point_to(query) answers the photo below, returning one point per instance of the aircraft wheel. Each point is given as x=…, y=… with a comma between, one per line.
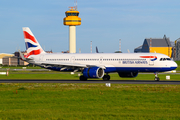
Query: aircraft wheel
x=82, y=78
x=156, y=79
x=106, y=77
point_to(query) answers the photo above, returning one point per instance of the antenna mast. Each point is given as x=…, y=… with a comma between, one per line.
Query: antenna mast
x=91, y=46
x=75, y=4
x=119, y=45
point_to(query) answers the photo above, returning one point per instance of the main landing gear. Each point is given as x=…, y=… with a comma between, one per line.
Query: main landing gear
x=106, y=77
x=156, y=76
x=82, y=78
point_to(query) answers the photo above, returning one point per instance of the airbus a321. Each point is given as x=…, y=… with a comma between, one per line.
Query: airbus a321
x=96, y=65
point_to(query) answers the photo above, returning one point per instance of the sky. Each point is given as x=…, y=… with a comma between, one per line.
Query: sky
x=103, y=22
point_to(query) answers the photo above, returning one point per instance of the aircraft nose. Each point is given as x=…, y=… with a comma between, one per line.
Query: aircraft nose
x=174, y=65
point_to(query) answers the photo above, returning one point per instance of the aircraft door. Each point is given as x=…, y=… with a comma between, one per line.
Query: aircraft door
x=41, y=58
x=101, y=60
x=72, y=59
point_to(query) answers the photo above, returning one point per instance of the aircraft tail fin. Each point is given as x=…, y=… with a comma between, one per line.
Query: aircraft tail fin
x=32, y=45
x=97, y=50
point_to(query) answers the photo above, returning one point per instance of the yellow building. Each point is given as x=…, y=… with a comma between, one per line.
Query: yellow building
x=156, y=45
x=164, y=50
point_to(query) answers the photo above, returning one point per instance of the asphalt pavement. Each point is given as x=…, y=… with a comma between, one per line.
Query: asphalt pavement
x=92, y=81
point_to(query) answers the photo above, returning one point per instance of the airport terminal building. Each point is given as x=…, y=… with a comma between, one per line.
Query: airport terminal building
x=2, y=55
x=13, y=60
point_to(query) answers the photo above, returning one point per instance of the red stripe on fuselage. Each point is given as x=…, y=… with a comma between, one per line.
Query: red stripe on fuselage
x=148, y=56
x=28, y=36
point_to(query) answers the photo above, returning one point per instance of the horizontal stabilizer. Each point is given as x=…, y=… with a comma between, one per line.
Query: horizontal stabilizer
x=22, y=56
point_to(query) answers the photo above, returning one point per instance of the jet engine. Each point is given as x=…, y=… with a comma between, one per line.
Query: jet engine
x=93, y=72
x=128, y=74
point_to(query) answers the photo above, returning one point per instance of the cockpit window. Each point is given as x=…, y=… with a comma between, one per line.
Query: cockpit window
x=165, y=59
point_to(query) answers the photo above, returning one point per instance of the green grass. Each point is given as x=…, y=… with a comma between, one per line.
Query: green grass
x=178, y=62
x=66, y=76
x=178, y=68
x=50, y=101
x=20, y=67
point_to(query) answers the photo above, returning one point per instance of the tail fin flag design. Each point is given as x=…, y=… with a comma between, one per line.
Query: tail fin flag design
x=32, y=45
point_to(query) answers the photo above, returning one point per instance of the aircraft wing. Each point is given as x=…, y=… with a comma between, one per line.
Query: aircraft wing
x=59, y=64
x=70, y=65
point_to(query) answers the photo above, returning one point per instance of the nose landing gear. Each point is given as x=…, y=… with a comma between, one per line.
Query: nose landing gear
x=156, y=76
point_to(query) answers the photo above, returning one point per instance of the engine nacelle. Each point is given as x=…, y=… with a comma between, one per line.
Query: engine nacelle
x=93, y=72
x=128, y=74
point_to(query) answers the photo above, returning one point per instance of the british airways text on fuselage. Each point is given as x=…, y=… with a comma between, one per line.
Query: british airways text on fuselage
x=134, y=62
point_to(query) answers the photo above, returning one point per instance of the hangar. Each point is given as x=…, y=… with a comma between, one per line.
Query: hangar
x=156, y=45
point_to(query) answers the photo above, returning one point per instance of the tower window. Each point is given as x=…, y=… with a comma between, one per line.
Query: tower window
x=72, y=14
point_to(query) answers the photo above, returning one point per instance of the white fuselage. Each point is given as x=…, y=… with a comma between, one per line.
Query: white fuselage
x=112, y=62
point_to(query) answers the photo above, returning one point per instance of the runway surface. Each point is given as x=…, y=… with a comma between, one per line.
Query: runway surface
x=92, y=81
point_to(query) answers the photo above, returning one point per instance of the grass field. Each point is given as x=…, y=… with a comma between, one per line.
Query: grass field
x=66, y=76
x=178, y=62
x=20, y=67
x=50, y=101
x=178, y=68
x=59, y=101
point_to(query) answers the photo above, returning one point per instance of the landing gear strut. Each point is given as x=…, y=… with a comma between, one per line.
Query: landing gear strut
x=156, y=76
x=106, y=77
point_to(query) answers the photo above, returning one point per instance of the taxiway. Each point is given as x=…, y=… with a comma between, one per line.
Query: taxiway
x=92, y=81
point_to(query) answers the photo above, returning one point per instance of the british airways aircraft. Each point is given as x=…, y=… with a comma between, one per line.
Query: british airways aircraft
x=96, y=65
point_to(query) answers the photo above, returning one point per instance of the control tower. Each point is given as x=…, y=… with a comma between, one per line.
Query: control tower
x=72, y=20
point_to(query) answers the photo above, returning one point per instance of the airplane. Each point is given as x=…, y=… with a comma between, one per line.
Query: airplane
x=96, y=65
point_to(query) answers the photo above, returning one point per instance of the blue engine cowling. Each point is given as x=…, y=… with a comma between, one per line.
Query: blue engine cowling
x=128, y=74
x=93, y=72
